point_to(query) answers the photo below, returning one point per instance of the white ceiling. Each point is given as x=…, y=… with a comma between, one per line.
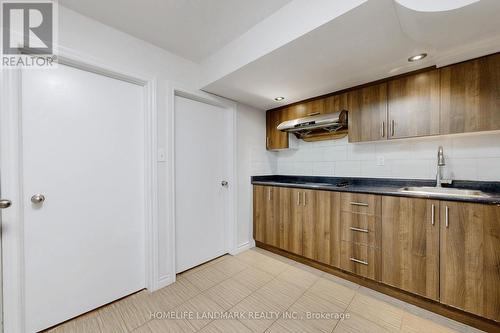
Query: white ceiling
x=252, y=51
x=367, y=43
x=193, y=29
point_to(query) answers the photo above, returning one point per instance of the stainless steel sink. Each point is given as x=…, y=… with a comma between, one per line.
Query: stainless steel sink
x=457, y=192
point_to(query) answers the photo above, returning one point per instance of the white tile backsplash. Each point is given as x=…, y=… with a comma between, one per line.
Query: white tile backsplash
x=323, y=168
x=468, y=157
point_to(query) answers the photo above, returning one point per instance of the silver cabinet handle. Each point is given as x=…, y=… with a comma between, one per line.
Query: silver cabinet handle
x=269, y=194
x=304, y=203
x=447, y=216
x=393, y=127
x=298, y=198
x=38, y=198
x=359, y=261
x=382, y=129
x=433, y=214
x=359, y=204
x=4, y=203
x=358, y=229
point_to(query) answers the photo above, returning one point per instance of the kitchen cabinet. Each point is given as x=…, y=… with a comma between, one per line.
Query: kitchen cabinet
x=470, y=96
x=291, y=218
x=445, y=251
x=459, y=98
x=321, y=228
x=360, y=259
x=413, y=105
x=470, y=257
x=368, y=113
x=336, y=103
x=315, y=107
x=360, y=234
x=266, y=222
x=275, y=139
x=410, y=245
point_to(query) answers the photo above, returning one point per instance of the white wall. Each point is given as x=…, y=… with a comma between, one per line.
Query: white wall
x=468, y=157
x=252, y=159
x=103, y=44
x=107, y=45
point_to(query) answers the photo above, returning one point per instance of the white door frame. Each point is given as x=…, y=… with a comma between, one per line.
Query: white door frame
x=231, y=213
x=12, y=185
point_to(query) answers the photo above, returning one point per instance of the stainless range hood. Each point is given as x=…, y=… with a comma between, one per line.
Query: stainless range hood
x=327, y=122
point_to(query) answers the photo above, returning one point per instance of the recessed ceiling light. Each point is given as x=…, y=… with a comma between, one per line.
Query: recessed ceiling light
x=417, y=57
x=278, y=99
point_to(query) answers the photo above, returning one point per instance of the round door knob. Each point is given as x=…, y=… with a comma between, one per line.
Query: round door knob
x=4, y=203
x=38, y=198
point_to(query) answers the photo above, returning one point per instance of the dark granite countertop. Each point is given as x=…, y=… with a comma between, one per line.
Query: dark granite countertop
x=382, y=186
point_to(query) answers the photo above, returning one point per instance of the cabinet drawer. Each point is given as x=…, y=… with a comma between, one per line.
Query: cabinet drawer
x=361, y=228
x=360, y=259
x=361, y=203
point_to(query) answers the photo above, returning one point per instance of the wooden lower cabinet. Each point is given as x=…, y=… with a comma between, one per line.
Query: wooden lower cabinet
x=360, y=259
x=361, y=228
x=321, y=229
x=445, y=251
x=290, y=214
x=266, y=222
x=410, y=245
x=470, y=257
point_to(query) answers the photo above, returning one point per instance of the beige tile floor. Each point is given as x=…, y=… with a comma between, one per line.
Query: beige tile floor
x=258, y=291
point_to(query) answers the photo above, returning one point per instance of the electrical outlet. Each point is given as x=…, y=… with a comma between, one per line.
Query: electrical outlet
x=380, y=160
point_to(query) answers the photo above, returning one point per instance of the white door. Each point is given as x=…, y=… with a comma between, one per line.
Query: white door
x=83, y=150
x=202, y=160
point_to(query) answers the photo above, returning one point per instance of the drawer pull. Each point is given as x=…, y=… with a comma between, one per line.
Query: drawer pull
x=358, y=229
x=359, y=204
x=359, y=261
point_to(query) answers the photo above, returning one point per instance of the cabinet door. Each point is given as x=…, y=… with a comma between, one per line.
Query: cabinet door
x=368, y=113
x=291, y=219
x=410, y=245
x=259, y=213
x=275, y=139
x=320, y=236
x=266, y=223
x=413, y=105
x=272, y=229
x=470, y=96
x=336, y=103
x=315, y=107
x=470, y=258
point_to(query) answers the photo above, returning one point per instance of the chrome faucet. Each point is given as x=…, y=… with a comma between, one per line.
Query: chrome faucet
x=440, y=164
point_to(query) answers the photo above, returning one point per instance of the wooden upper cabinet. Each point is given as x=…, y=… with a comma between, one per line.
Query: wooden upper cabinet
x=470, y=258
x=275, y=139
x=315, y=107
x=297, y=111
x=336, y=103
x=413, y=105
x=470, y=96
x=368, y=113
x=410, y=245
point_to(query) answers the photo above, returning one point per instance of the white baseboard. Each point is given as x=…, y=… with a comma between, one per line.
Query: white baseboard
x=165, y=281
x=243, y=247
